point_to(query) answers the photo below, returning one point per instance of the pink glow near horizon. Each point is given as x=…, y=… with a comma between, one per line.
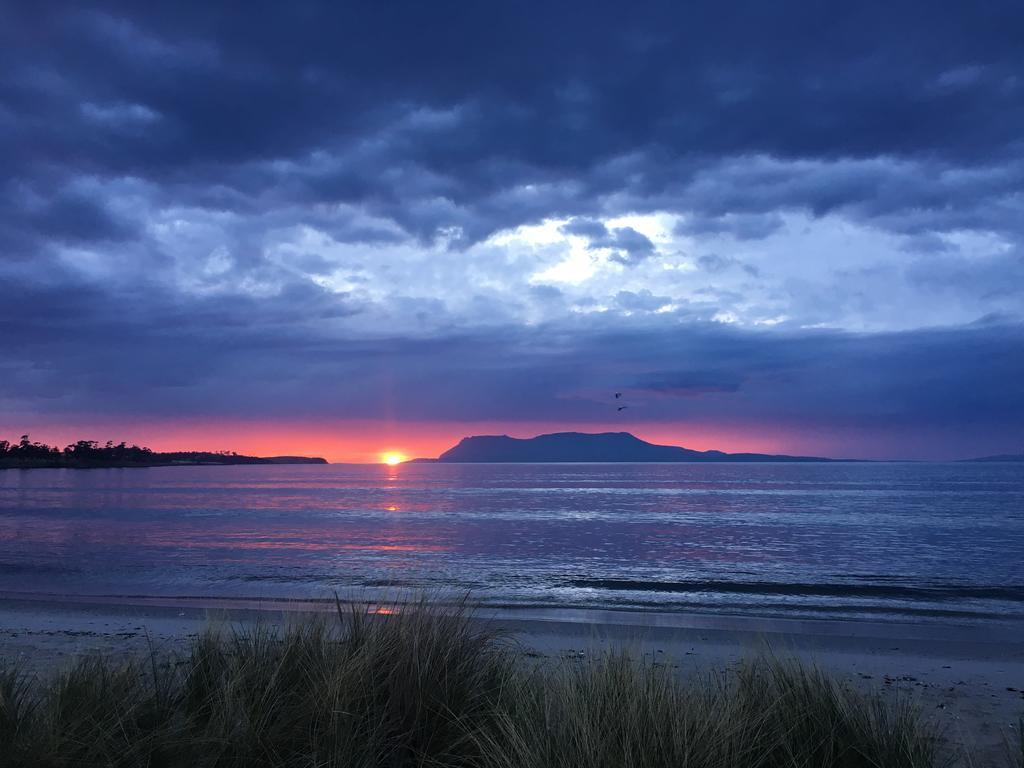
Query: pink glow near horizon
x=365, y=441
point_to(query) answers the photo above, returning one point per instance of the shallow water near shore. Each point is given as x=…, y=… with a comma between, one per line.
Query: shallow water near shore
x=913, y=542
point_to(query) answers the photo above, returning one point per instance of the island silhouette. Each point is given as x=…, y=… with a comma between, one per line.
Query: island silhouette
x=589, y=447
x=1001, y=458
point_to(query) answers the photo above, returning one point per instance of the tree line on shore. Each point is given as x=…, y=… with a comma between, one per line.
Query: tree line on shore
x=80, y=449
x=27, y=453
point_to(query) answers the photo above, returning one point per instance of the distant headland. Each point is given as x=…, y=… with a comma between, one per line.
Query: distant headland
x=1003, y=457
x=586, y=447
x=88, y=454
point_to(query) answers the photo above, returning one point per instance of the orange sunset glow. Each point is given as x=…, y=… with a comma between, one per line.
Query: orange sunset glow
x=392, y=442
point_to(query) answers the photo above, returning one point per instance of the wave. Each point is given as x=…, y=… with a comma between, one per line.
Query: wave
x=1011, y=593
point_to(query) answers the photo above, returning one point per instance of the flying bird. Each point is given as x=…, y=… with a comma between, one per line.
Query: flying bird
x=622, y=408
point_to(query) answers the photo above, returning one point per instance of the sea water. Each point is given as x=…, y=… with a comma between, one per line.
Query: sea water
x=917, y=542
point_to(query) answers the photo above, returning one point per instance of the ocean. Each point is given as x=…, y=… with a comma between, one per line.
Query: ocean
x=905, y=541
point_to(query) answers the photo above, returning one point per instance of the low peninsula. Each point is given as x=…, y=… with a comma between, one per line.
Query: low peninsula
x=606, y=447
x=89, y=454
x=1001, y=458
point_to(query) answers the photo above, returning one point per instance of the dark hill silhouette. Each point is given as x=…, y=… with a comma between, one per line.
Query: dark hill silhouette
x=587, y=447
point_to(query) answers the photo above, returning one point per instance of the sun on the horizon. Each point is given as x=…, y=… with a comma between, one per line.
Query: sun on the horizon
x=391, y=458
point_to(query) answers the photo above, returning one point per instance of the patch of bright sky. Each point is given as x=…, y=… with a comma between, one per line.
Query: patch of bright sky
x=828, y=271
x=810, y=272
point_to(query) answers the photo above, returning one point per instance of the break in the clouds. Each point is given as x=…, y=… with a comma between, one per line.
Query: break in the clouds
x=796, y=217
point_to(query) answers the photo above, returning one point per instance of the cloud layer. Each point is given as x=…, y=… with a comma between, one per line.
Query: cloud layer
x=794, y=218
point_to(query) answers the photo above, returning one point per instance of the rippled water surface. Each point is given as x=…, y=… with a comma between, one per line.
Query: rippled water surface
x=917, y=541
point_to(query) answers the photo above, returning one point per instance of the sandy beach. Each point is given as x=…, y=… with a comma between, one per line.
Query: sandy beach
x=968, y=680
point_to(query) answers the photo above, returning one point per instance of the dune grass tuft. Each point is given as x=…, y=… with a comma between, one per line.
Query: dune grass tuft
x=616, y=711
x=430, y=687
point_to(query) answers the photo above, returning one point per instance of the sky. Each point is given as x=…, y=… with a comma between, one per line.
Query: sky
x=348, y=228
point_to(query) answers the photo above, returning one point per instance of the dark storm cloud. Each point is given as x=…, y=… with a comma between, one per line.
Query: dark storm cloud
x=76, y=216
x=689, y=383
x=435, y=114
x=626, y=244
x=584, y=227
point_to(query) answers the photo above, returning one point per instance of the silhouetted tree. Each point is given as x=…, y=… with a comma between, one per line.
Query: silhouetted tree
x=90, y=453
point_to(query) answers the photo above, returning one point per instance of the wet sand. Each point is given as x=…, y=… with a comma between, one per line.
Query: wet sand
x=968, y=680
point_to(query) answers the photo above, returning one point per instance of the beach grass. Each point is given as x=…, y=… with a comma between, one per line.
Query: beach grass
x=768, y=712
x=431, y=687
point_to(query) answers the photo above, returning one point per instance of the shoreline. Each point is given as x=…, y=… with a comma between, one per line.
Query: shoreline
x=161, y=464
x=800, y=620
x=968, y=680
